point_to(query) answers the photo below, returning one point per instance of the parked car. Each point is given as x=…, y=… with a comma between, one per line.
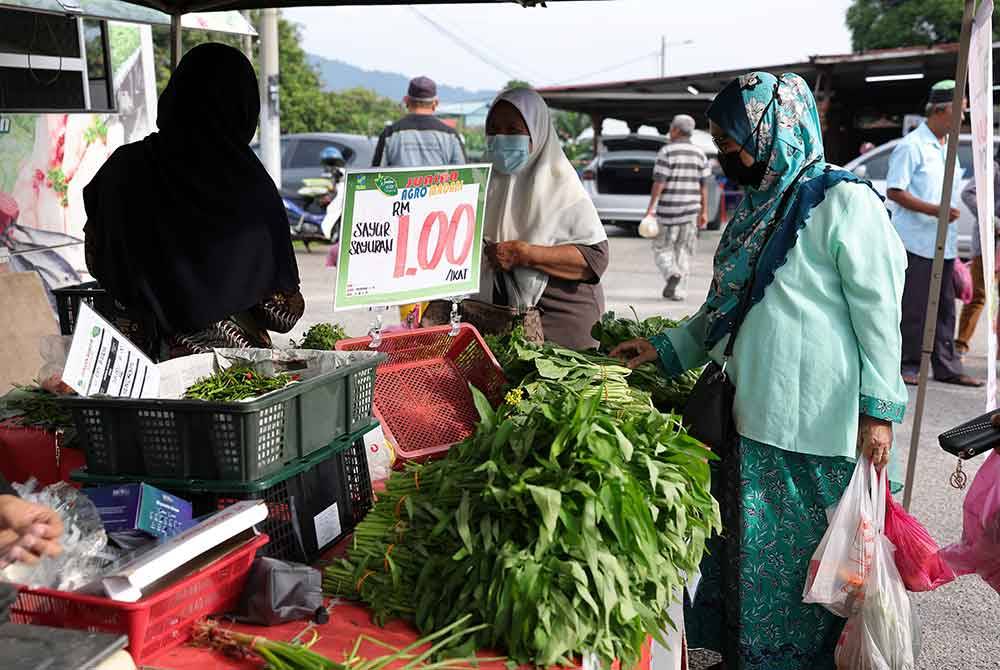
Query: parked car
x=300, y=160
x=874, y=166
x=620, y=179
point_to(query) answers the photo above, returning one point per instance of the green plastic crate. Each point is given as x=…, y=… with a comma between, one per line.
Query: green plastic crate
x=234, y=441
x=312, y=502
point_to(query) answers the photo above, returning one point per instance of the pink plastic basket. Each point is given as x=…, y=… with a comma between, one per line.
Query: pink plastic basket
x=153, y=624
x=422, y=394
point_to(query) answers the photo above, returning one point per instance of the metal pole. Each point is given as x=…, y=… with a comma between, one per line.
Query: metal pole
x=247, y=39
x=663, y=56
x=930, y=319
x=270, y=121
x=175, y=41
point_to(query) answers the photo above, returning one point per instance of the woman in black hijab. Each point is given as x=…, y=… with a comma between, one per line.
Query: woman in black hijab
x=186, y=228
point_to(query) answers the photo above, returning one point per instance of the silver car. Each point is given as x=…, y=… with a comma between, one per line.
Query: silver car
x=874, y=166
x=620, y=180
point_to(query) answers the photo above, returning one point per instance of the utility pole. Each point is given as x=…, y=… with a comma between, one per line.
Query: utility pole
x=664, y=52
x=270, y=116
x=663, y=56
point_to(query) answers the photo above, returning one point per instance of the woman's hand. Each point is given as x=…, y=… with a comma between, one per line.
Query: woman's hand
x=28, y=532
x=508, y=255
x=636, y=352
x=875, y=440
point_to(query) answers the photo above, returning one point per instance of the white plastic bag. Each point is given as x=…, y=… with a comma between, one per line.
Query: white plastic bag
x=649, y=228
x=843, y=559
x=880, y=635
x=380, y=454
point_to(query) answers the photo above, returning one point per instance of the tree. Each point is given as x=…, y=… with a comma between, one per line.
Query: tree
x=570, y=125
x=360, y=111
x=305, y=106
x=886, y=24
x=517, y=83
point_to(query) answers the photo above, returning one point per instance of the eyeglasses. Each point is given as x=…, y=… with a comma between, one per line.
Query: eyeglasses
x=722, y=142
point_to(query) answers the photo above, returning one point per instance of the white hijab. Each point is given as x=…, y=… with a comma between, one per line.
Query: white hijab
x=543, y=204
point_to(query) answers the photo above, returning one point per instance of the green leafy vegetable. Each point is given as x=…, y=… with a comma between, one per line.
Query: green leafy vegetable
x=565, y=523
x=322, y=336
x=34, y=406
x=237, y=382
x=668, y=394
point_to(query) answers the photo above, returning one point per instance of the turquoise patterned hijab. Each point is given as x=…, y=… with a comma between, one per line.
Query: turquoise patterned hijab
x=790, y=140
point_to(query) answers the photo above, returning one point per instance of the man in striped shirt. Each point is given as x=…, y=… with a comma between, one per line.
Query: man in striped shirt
x=680, y=203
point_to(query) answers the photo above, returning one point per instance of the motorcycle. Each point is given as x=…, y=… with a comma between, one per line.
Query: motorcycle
x=315, y=215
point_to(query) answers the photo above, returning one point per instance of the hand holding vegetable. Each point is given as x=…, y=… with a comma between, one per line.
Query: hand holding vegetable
x=28, y=532
x=875, y=440
x=635, y=352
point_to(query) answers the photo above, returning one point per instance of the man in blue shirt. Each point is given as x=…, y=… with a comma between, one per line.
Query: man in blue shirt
x=915, y=184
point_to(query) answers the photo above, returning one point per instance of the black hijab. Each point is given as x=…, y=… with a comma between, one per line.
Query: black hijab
x=187, y=224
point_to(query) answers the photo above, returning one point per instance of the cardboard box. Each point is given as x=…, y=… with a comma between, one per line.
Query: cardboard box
x=140, y=507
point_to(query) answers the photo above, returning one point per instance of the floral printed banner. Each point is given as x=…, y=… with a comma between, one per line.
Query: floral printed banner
x=49, y=158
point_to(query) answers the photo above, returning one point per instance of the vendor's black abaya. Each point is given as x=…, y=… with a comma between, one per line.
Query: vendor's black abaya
x=186, y=224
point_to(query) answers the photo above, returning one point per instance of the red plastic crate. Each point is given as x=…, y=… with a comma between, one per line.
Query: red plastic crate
x=152, y=624
x=422, y=394
x=26, y=451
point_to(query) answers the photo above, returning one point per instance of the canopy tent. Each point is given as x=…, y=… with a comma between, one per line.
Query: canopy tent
x=185, y=6
x=127, y=12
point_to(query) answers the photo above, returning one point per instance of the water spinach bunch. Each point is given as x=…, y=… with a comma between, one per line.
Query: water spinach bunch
x=566, y=524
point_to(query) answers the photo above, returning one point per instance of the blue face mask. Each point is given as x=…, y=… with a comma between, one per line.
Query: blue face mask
x=508, y=153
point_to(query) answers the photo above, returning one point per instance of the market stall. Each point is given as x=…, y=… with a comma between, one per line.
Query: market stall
x=177, y=481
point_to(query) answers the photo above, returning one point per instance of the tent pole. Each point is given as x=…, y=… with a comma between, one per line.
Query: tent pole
x=247, y=39
x=937, y=269
x=175, y=41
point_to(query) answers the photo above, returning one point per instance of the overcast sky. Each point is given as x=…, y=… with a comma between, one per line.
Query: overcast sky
x=574, y=42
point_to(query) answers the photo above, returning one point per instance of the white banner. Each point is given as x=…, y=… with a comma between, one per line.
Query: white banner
x=411, y=235
x=981, y=102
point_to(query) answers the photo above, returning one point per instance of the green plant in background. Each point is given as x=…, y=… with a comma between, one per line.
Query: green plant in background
x=322, y=336
x=124, y=41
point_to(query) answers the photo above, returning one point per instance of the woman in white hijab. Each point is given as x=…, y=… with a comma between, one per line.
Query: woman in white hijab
x=546, y=245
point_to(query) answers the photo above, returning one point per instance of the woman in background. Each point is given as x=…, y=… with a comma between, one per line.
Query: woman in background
x=546, y=244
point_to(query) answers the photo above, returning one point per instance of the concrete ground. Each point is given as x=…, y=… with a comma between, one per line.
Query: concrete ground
x=960, y=622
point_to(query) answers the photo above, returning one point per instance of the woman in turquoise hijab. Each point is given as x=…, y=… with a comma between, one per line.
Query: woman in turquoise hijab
x=815, y=365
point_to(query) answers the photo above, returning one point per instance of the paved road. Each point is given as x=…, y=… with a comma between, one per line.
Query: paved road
x=960, y=622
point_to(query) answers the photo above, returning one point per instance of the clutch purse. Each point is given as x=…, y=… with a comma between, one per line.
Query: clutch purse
x=972, y=438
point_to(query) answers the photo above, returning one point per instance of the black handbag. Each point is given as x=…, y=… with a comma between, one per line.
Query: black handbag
x=708, y=413
x=972, y=437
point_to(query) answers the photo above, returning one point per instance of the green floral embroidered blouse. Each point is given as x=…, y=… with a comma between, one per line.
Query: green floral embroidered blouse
x=823, y=345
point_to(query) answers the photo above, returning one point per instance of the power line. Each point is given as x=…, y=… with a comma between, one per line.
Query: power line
x=644, y=56
x=482, y=56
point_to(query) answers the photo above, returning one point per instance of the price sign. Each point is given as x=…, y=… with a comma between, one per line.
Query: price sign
x=410, y=235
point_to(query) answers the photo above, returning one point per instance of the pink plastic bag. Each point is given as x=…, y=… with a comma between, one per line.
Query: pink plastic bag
x=332, y=256
x=962, y=277
x=979, y=550
x=917, y=554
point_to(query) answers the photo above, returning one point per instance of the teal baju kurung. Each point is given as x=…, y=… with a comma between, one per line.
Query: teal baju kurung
x=819, y=347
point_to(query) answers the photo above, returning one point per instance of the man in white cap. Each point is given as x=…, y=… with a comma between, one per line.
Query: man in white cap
x=680, y=203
